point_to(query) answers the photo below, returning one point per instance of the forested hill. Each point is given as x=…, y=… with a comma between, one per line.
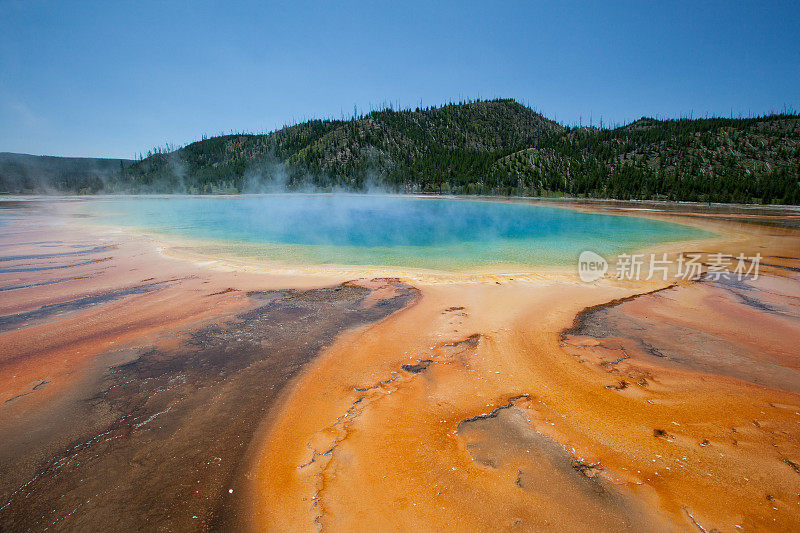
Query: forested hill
x=24, y=173
x=497, y=147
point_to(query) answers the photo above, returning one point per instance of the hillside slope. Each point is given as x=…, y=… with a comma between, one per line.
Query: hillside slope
x=401, y=150
x=725, y=160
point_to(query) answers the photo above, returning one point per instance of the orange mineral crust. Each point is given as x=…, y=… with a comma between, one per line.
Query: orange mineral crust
x=377, y=432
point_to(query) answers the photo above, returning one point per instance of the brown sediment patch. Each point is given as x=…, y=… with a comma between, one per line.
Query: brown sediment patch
x=28, y=257
x=40, y=268
x=563, y=485
x=417, y=367
x=5, y=288
x=44, y=312
x=744, y=329
x=224, y=291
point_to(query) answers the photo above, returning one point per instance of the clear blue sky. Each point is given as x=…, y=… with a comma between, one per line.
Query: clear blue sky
x=83, y=78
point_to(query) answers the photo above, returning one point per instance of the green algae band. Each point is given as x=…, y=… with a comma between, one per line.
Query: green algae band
x=388, y=230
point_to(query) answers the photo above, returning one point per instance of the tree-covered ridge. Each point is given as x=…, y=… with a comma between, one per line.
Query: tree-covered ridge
x=401, y=150
x=495, y=147
x=726, y=160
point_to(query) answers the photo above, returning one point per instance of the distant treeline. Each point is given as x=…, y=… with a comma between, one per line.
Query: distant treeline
x=33, y=174
x=497, y=147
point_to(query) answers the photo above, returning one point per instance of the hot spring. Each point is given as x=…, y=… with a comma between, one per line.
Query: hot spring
x=341, y=229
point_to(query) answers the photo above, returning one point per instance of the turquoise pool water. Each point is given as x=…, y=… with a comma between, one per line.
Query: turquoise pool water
x=387, y=230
